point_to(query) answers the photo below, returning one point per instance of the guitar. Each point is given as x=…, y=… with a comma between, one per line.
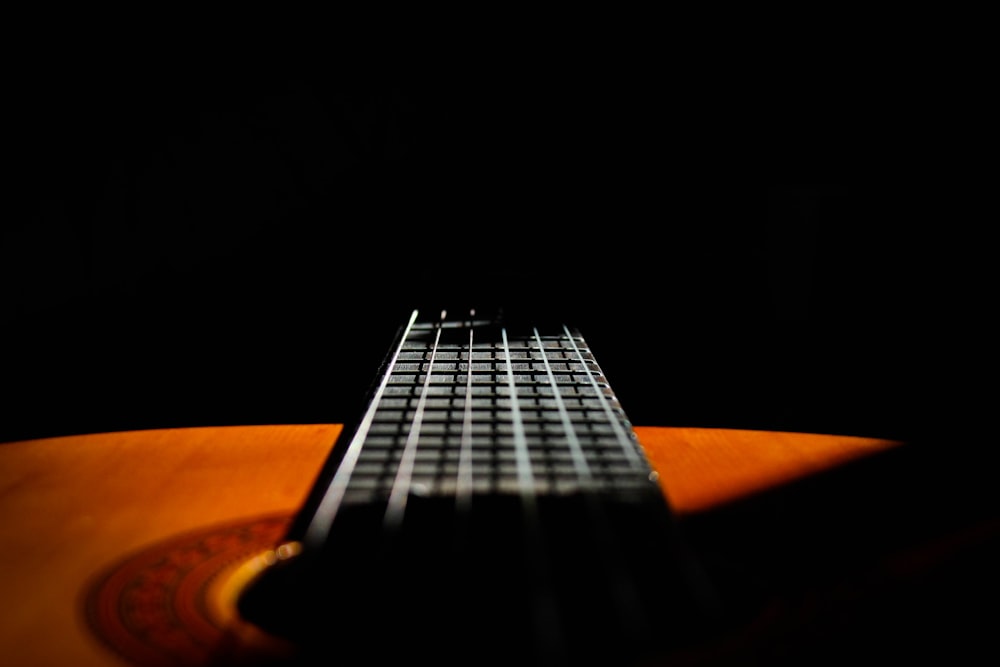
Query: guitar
x=529, y=522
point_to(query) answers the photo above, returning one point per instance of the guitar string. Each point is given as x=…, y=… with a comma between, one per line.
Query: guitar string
x=402, y=485
x=579, y=459
x=322, y=520
x=522, y=458
x=620, y=434
x=624, y=592
x=545, y=610
x=694, y=574
x=464, y=483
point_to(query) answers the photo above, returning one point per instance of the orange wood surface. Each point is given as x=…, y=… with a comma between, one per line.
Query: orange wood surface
x=72, y=506
x=701, y=468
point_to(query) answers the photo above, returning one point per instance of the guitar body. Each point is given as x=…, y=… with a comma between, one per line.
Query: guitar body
x=131, y=547
x=492, y=505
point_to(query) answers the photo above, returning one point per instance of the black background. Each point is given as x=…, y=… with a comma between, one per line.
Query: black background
x=229, y=232
x=225, y=226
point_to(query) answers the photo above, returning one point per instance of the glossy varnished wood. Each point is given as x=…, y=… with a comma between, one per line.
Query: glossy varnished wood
x=702, y=468
x=71, y=506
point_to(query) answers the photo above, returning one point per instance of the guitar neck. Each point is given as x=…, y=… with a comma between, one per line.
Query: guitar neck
x=491, y=457
x=473, y=407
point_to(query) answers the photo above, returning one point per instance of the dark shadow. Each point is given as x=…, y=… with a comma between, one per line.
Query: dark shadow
x=887, y=557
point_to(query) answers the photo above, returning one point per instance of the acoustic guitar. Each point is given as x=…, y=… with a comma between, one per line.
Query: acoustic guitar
x=493, y=504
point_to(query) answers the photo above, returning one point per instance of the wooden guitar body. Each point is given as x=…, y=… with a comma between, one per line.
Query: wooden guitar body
x=492, y=505
x=129, y=547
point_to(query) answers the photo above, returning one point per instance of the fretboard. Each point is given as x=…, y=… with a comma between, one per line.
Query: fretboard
x=470, y=407
x=493, y=472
